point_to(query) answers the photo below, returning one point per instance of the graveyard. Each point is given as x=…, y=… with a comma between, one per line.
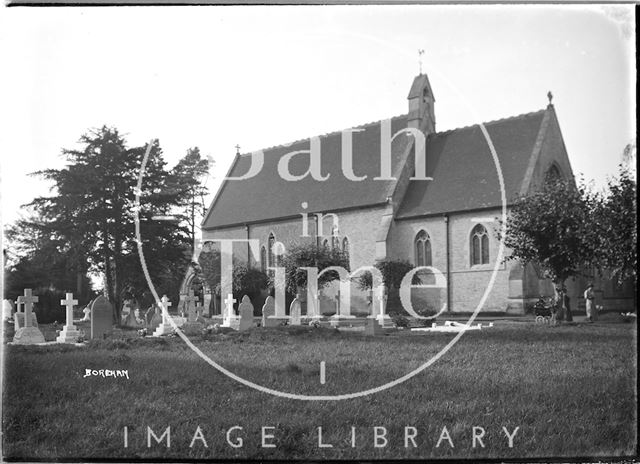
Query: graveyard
x=511, y=373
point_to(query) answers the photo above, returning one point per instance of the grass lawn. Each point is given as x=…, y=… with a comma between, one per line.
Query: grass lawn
x=570, y=390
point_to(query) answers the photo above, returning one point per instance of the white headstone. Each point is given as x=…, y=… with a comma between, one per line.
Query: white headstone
x=7, y=310
x=69, y=333
x=165, y=328
x=229, y=319
x=28, y=335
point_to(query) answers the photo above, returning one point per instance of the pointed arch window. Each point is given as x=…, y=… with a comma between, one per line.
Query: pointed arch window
x=263, y=259
x=345, y=245
x=335, y=239
x=325, y=244
x=553, y=174
x=422, y=247
x=479, y=245
x=272, y=240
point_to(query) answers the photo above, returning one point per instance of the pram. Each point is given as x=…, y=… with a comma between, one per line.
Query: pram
x=544, y=310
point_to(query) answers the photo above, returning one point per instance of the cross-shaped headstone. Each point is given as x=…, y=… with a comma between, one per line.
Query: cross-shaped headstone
x=191, y=297
x=68, y=303
x=229, y=302
x=28, y=299
x=165, y=303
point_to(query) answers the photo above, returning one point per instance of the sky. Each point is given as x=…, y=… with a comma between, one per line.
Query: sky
x=259, y=76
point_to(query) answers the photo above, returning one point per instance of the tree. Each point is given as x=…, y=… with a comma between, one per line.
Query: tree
x=550, y=227
x=393, y=271
x=93, y=212
x=310, y=255
x=615, y=232
x=186, y=182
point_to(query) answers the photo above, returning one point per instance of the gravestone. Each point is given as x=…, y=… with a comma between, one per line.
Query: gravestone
x=18, y=320
x=373, y=327
x=7, y=310
x=130, y=320
x=295, y=311
x=28, y=335
x=246, y=314
x=149, y=314
x=69, y=333
x=192, y=325
x=138, y=317
x=230, y=319
x=269, y=310
x=101, y=318
x=380, y=307
x=156, y=319
x=165, y=327
x=207, y=303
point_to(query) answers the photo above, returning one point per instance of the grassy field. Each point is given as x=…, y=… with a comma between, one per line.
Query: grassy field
x=570, y=389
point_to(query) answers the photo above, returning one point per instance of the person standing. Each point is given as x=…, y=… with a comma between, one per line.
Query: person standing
x=590, y=298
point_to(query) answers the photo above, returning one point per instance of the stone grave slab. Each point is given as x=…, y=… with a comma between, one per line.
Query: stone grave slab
x=246, y=314
x=268, y=311
x=295, y=312
x=101, y=318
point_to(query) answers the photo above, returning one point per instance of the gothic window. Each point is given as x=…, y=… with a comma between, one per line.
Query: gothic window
x=553, y=174
x=263, y=259
x=345, y=245
x=272, y=241
x=335, y=240
x=479, y=245
x=422, y=249
x=325, y=244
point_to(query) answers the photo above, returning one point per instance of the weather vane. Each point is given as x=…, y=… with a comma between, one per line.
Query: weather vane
x=420, y=53
x=237, y=149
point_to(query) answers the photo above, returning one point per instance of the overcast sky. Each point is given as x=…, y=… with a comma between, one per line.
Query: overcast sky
x=214, y=77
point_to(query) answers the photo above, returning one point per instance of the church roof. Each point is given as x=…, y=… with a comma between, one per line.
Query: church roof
x=459, y=161
x=267, y=196
x=463, y=171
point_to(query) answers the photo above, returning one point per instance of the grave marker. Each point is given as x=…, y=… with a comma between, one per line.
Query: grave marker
x=165, y=327
x=268, y=313
x=69, y=333
x=230, y=319
x=101, y=318
x=207, y=303
x=295, y=311
x=246, y=314
x=28, y=335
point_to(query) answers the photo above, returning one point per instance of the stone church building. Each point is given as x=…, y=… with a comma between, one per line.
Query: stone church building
x=383, y=205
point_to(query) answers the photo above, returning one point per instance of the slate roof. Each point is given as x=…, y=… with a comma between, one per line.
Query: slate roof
x=267, y=196
x=459, y=161
x=464, y=173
